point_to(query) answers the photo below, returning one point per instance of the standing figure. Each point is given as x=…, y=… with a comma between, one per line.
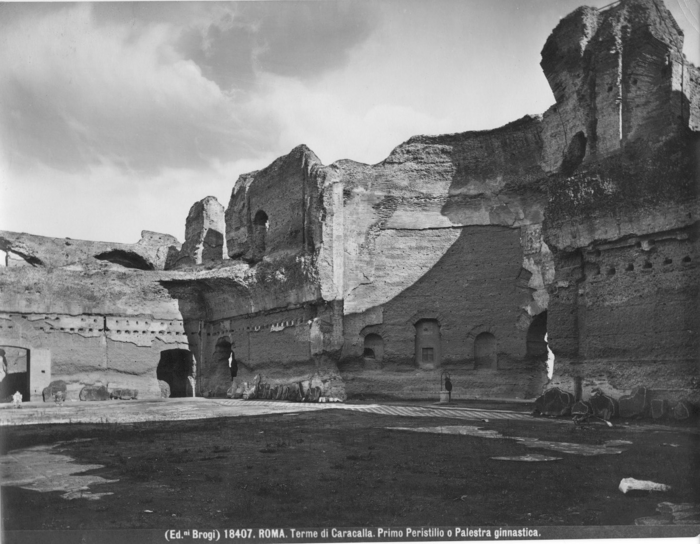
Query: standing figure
x=3, y=365
x=233, y=364
x=448, y=387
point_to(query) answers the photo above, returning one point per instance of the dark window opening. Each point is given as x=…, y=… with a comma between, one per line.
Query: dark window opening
x=630, y=267
x=686, y=259
x=611, y=272
x=260, y=226
x=647, y=264
x=14, y=373
x=428, y=342
x=127, y=259
x=223, y=359
x=369, y=353
x=536, y=332
x=485, y=351
x=174, y=368
x=668, y=261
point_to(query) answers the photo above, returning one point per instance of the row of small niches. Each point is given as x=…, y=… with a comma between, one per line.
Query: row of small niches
x=646, y=266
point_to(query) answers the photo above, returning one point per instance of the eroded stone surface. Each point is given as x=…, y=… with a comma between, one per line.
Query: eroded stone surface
x=204, y=234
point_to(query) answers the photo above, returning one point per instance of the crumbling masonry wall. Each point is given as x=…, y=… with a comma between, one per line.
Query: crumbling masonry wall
x=622, y=219
x=456, y=253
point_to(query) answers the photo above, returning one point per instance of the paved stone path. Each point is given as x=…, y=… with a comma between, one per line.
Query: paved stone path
x=200, y=408
x=384, y=409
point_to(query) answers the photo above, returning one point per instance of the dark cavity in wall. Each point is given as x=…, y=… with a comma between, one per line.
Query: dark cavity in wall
x=485, y=351
x=260, y=223
x=15, y=373
x=128, y=259
x=373, y=347
x=536, y=344
x=574, y=154
x=222, y=352
x=174, y=367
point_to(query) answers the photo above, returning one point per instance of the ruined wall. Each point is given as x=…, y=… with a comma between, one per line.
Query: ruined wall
x=441, y=257
x=269, y=210
x=276, y=345
x=90, y=325
x=446, y=228
x=204, y=234
x=621, y=217
x=154, y=251
x=476, y=287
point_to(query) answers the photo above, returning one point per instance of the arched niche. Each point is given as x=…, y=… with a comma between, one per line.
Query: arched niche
x=260, y=226
x=485, y=351
x=373, y=347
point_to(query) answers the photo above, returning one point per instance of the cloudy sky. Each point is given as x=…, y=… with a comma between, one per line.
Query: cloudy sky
x=117, y=117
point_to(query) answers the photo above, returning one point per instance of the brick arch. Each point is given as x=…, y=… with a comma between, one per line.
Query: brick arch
x=478, y=329
x=426, y=314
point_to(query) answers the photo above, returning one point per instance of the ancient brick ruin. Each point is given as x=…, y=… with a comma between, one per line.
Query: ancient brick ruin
x=456, y=253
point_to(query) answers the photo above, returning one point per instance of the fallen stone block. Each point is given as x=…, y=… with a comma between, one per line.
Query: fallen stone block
x=94, y=393
x=554, y=402
x=124, y=394
x=49, y=392
x=604, y=407
x=164, y=389
x=581, y=409
x=659, y=408
x=631, y=485
x=250, y=391
x=636, y=404
x=236, y=391
x=294, y=393
x=682, y=411
x=313, y=394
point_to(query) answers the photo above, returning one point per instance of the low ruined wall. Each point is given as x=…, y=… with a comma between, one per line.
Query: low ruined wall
x=114, y=351
x=154, y=251
x=281, y=346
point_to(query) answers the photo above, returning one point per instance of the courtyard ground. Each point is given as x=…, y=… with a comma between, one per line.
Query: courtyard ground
x=348, y=468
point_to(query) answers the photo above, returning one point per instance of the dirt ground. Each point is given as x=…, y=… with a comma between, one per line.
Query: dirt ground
x=347, y=469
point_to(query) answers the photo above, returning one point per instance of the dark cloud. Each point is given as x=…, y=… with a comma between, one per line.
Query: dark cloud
x=225, y=56
x=305, y=39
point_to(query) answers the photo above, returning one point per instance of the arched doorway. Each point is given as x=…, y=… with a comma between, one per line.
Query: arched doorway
x=485, y=351
x=15, y=373
x=174, y=368
x=428, y=343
